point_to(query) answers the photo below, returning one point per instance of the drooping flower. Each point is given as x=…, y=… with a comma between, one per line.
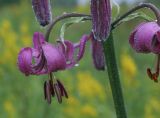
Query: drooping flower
x=42, y=10
x=101, y=18
x=45, y=58
x=145, y=39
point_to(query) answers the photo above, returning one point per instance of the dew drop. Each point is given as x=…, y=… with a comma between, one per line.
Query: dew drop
x=76, y=65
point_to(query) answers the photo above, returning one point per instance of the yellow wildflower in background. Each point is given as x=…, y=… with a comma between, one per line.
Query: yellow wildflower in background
x=88, y=86
x=5, y=27
x=9, y=48
x=129, y=70
x=152, y=108
x=72, y=107
x=24, y=28
x=128, y=66
x=25, y=37
x=83, y=9
x=89, y=111
x=72, y=101
x=9, y=108
x=12, y=40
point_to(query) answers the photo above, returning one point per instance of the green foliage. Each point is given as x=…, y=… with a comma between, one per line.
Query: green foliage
x=7, y=2
x=65, y=2
x=89, y=91
x=156, y=2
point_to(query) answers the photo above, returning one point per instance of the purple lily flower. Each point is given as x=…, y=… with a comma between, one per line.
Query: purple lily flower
x=145, y=38
x=42, y=10
x=101, y=18
x=45, y=58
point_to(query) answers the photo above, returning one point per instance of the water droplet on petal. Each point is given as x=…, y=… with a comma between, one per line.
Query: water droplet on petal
x=76, y=65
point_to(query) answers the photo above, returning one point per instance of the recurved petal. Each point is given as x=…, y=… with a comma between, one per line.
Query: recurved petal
x=54, y=58
x=82, y=46
x=67, y=48
x=25, y=61
x=38, y=40
x=70, y=51
x=98, y=55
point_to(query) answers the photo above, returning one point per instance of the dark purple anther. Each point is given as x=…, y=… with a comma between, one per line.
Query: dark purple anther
x=54, y=88
x=101, y=18
x=58, y=92
x=47, y=92
x=42, y=10
x=62, y=89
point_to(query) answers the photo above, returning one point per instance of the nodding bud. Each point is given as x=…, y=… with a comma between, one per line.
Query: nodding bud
x=101, y=18
x=42, y=10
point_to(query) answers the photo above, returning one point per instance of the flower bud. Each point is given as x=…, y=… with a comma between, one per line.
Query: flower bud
x=42, y=10
x=101, y=18
x=97, y=54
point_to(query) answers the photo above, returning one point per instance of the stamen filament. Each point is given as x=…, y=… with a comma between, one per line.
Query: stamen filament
x=154, y=76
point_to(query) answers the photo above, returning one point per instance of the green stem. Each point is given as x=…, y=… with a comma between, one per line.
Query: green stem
x=114, y=77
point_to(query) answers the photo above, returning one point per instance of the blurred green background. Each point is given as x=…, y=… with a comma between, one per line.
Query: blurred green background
x=89, y=91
